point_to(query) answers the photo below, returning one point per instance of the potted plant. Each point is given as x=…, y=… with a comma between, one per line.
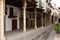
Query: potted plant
x=57, y=28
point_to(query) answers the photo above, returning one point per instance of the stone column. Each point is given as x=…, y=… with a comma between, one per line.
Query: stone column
x=53, y=19
x=24, y=16
x=2, y=12
x=57, y=19
x=50, y=19
x=35, y=11
x=42, y=19
x=45, y=20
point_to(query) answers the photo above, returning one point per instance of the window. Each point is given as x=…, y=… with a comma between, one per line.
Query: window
x=11, y=12
x=5, y=10
x=11, y=15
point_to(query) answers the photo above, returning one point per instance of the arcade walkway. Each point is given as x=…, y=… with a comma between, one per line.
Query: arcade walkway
x=42, y=33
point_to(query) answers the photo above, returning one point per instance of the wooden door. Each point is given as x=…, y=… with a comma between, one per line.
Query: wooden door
x=14, y=24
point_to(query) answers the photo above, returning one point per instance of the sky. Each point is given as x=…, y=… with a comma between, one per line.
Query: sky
x=57, y=2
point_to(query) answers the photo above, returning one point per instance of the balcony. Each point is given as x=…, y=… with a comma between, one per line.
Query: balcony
x=33, y=2
x=12, y=16
x=48, y=10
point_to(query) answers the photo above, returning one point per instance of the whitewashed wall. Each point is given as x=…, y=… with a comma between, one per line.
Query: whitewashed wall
x=44, y=4
x=8, y=21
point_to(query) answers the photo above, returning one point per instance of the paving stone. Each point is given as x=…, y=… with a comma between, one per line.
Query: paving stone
x=31, y=35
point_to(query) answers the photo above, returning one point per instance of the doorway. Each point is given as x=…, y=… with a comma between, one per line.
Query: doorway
x=14, y=24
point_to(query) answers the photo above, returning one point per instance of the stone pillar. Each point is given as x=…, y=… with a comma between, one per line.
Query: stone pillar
x=2, y=13
x=54, y=19
x=57, y=19
x=35, y=11
x=45, y=20
x=42, y=19
x=50, y=19
x=24, y=16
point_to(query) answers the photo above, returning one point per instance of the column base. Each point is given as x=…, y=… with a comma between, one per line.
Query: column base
x=35, y=28
x=2, y=38
x=24, y=30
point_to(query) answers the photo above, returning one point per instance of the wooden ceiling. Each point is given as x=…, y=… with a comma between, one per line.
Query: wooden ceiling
x=19, y=3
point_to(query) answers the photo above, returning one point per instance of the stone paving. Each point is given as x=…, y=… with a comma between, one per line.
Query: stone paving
x=52, y=36
x=46, y=36
x=57, y=36
x=32, y=34
x=40, y=34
